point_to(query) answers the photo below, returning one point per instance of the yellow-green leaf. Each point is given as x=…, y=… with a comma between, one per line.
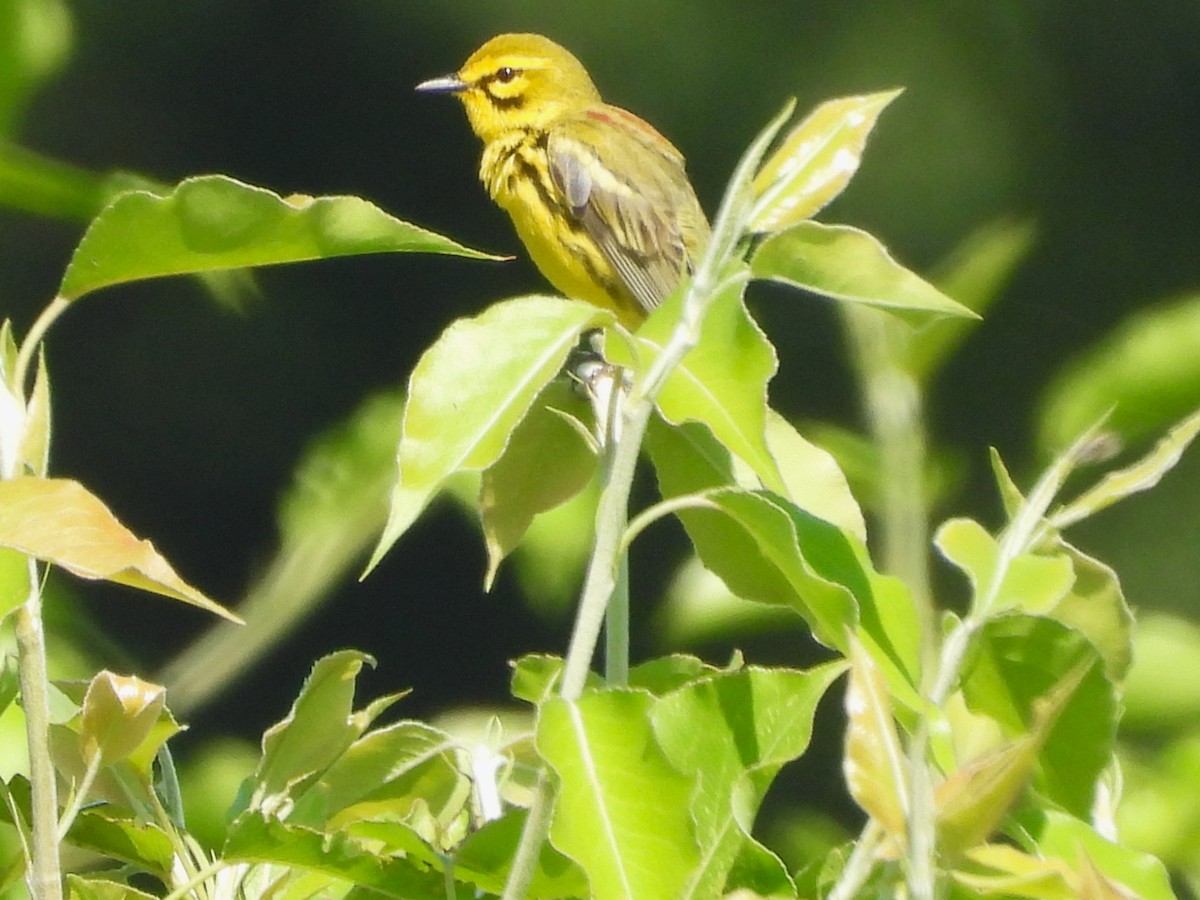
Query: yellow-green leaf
x=212, y=223
x=815, y=161
x=60, y=522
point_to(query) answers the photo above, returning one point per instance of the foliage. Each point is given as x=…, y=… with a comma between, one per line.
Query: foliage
x=980, y=745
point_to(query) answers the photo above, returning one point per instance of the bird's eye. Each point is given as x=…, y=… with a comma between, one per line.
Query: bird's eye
x=505, y=74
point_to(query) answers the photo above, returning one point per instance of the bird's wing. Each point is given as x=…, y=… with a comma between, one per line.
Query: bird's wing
x=625, y=184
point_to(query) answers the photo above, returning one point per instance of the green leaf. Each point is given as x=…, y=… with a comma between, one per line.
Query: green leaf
x=547, y=462
x=975, y=799
x=874, y=763
x=317, y=730
x=1096, y=607
x=141, y=844
x=722, y=382
x=735, y=730
x=59, y=522
x=254, y=838
x=1033, y=583
x=1140, y=476
x=1143, y=375
x=485, y=858
x=1057, y=835
x=622, y=810
x=851, y=266
x=386, y=773
x=1021, y=659
x=119, y=712
x=812, y=478
x=535, y=677
x=99, y=889
x=815, y=161
x=471, y=389
x=212, y=223
x=999, y=870
x=766, y=550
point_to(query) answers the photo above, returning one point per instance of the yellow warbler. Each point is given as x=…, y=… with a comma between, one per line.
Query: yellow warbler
x=599, y=198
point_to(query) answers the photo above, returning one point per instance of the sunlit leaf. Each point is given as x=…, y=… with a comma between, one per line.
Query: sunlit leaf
x=60, y=522
x=735, y=730
x=141, y=844
x=1140, y=476
x=1057, y=835
x=1033, y=583
x=258, y=839
x=98, y=889
x=815, y=161
x=211, y=222
x=118, y=713
x=1096, y=607
x=547, y=461
x=317, y=730
x=722, y=382
x=849, y=265
x=622, y=809
x=471, y=389
x=1002, y=870
x=874, y=762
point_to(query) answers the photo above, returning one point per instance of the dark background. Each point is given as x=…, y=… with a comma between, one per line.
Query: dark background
x=188, y=419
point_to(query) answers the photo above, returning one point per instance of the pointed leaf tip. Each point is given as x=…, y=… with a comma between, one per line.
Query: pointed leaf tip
x=212, y=223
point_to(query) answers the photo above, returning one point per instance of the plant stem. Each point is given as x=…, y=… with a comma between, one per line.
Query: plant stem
x=44, y=876
x=895, y=414
x=616, y=628
x=33, y=340
x=533, y=835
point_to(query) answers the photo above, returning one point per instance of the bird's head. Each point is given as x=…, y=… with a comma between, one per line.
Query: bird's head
x=517, y=81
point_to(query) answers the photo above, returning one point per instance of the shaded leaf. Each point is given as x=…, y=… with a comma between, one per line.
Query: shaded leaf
x=851, y=266
x=60, y=522
x=485, y=858
x=547, y=461
x=735, y=730
x=1021, y=659
x=465, y=398
x=140, y=844
x=622, y=810
x=815, y=161
x=974, y=800
x=212, y=222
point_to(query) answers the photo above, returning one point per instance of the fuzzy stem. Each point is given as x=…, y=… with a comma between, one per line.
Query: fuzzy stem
x=44, y=876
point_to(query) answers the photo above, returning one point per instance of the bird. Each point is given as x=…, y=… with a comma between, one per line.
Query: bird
x=599, y=198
